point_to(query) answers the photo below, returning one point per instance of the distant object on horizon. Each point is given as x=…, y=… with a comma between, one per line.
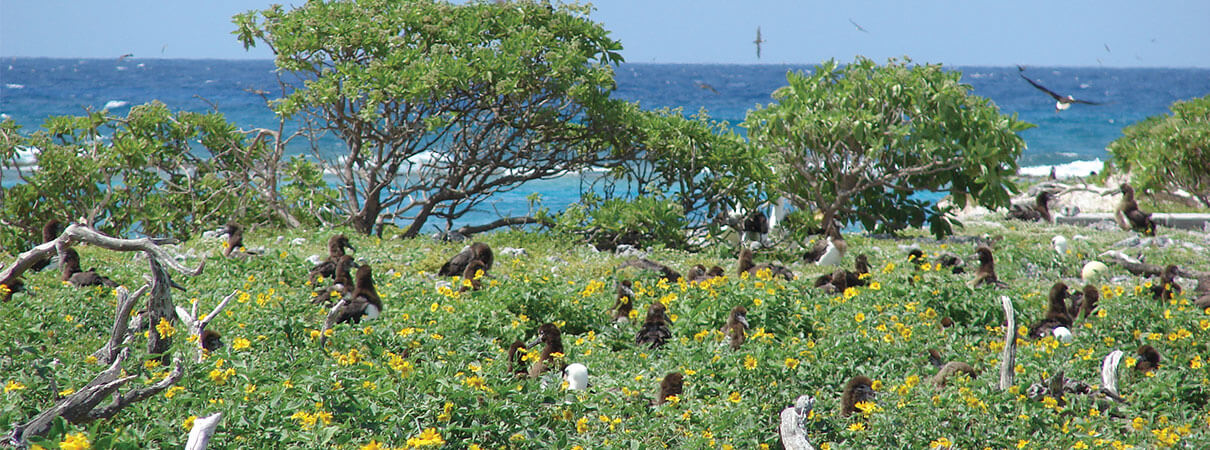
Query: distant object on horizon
x=1062, y=102
x=758, y=41
x=859, y=27
x=128, y=55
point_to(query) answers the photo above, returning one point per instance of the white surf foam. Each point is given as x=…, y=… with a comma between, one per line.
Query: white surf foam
x=14, y=86
x=114, y=104
x=1071, y=169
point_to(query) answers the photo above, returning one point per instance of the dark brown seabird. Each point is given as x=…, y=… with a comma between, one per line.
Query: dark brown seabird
x=552, y=338
x=70, y=265
x=655, y=329
x=736, y=328
x=859, y=389
x=477, y=251
x=336, y=249
x=363, y=302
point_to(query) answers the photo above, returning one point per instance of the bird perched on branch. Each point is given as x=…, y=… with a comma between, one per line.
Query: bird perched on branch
x=477, y=251
x=79, y=278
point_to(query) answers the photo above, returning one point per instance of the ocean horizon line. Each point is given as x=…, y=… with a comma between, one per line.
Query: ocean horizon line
x=645, y=63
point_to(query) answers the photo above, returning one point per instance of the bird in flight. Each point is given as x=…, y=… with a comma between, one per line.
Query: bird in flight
x=1062, y=102
x=707, y=87
x=758, y=41
x=128, y=55
x=859, y=27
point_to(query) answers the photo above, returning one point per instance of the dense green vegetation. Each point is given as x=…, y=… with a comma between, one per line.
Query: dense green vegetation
x=853, y=142
x=436, y=359
x=1169, y=151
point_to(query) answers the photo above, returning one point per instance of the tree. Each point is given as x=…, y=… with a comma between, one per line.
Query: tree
x=439, y=105
x=1169, y=150
x=155, y=171
x=853, y=143
x=703, y=164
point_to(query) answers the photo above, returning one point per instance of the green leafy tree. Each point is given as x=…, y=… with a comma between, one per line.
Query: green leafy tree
x=155, y=171
x=438, y=105
x=1169, y=150
x=703, y=164
x=854, y=142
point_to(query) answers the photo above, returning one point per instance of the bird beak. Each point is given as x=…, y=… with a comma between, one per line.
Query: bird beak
x=744, y=320
x=350, y=246
x=535, y=342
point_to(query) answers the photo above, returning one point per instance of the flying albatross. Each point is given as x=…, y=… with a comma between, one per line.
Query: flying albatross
x=1062, y=102
x=758, y=41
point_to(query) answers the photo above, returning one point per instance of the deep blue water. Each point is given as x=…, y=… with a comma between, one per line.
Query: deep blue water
x=31, y=89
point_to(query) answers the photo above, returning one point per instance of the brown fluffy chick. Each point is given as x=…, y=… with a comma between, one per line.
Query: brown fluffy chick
x=736, y=328
x=1084, y=302
x=859, y=389
x=477, y=251
x=211, y=340
x=625, y=301
x=655, y=329
x=342, y=283
x=1166, y=287
x=746, y=265
x=365, y=301
x=235, y=238
x=986, y=273
x=336, y=249
x=552, y=340
x=1149, y=359
x=1129, y=216
x=468, y=276
x=71, y=272
x=1039, y=211
x=50, y=232
x=672, y=384
x=948, y=369
x=1056, y=313
x=516, y=352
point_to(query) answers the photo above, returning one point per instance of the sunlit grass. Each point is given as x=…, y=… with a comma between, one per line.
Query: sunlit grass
x=433, y=369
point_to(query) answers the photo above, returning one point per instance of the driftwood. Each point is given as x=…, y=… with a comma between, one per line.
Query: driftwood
x=82, y=406
x=793, y=434
x=196, y=326
x=1109, y=375
x=203, y=429
x=1008, y=357
x=121, y=325
x=330, y=321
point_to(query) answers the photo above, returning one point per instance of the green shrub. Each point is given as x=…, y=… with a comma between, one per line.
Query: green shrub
x=641, y=221
x=1169, y=151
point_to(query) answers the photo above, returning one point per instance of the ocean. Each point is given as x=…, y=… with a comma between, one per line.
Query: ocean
x=32, y=89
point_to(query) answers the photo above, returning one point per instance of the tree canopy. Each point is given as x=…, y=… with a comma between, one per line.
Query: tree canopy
x=1169, y=150
x=441, y=105
x=854, y=142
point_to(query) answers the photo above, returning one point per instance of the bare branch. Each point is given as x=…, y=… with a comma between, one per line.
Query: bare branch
x=121, y=322
x=203, y=429
x=1008, y=357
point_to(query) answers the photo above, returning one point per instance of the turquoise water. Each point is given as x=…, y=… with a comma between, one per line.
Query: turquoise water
x=32, y=89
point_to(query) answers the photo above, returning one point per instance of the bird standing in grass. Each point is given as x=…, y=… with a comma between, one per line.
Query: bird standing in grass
x=1129, y=216
x=673, y=384
x=746, y=265
x=363, y=302
x=1166, y=286
x=986, y=273
x=736, y=328
x=858, y=390
x=1056, y=313
x=624, y=303
x=552, y=340
x=655, y=329
x=1149, y=359
x=477, y=251
x=336, y=249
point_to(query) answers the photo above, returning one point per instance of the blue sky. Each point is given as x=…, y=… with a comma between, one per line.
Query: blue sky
x=1115, y=33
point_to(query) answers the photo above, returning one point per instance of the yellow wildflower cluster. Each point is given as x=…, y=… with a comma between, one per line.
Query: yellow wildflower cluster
x=308, y=420
x=347, y=359
x=399, y=364
x=13, y=386
x=75, y=441
x=430, y=437
x=165, y=329
x=240, y=344
x=593, y=288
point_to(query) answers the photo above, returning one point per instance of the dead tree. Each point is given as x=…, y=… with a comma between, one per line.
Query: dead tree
x=1008, y=357
x=196, y=326
x=82, y=406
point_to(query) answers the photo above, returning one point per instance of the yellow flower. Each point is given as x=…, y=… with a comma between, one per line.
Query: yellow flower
x=75, y=441
x=857, y=426
x=1021, y=443
x=859, y=317
x=582, y=425
x=749, y=362
x=874, y=286
x=164, y=328
x=428, y=437
x=373, y=445
x=172, y=391
x=188, y=425
x=941, y=443
x=673, y=399
x=13, y=386
x=791, y=363
x=240, y=344
x=735, y=397
x=1138, y=423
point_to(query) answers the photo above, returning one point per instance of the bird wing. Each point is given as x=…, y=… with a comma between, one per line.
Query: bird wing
x=1086, y=102
x=1044, y=89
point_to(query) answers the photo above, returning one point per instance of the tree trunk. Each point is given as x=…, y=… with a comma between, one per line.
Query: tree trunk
x=363, y=221
x=421, y=218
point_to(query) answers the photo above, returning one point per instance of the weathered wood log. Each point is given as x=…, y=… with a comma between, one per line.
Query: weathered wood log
x=1109, y=375
x=793, y=435
x=121, y=325
x=196, y=326
x=1008, y=357
x=203, y=430
x=75, y=406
